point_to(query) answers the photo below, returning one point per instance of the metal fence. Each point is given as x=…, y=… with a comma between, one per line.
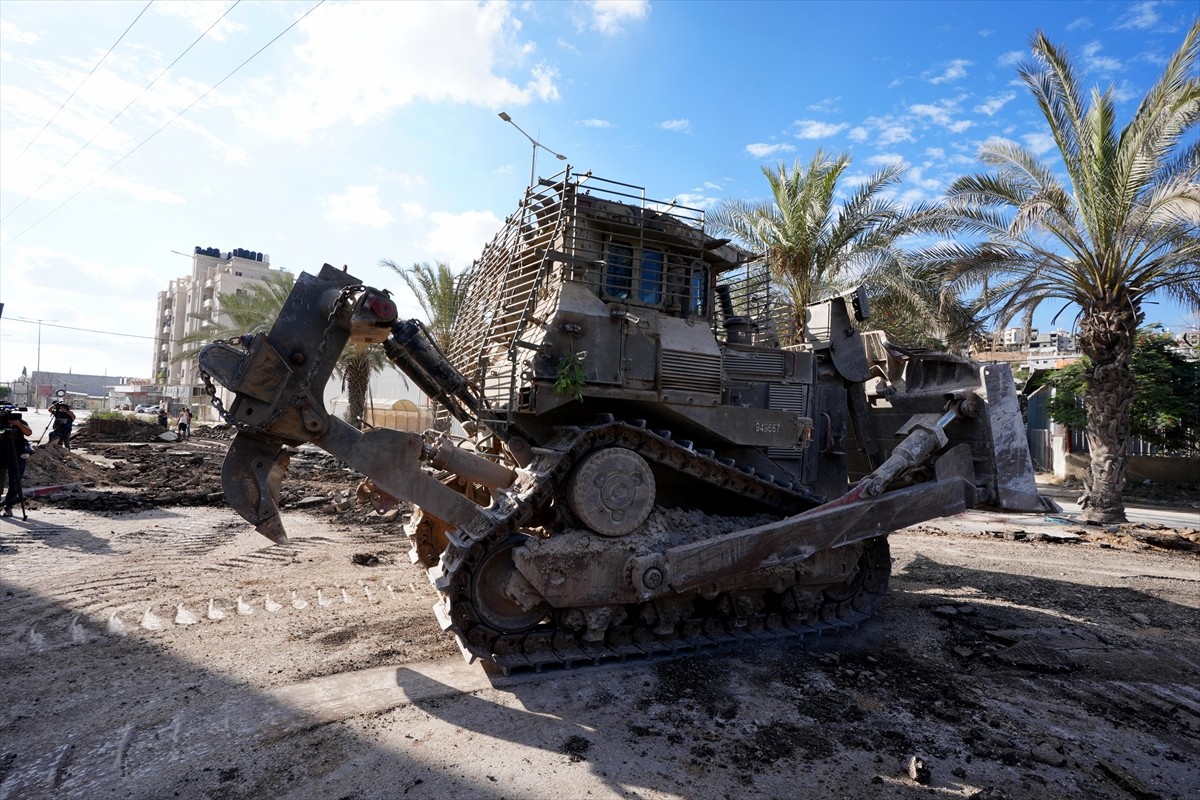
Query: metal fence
x=1140, y=446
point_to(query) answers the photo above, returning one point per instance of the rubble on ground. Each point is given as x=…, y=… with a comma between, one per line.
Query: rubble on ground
x=125, y=468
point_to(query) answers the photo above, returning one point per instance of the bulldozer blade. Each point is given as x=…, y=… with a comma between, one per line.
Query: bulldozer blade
x=251, y=477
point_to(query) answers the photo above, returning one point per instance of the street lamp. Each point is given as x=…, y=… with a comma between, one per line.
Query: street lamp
x=536, y=144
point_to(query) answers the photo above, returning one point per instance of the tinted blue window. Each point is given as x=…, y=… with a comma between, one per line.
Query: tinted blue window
x=650, y=282
x=696, y=295
x=618, y=276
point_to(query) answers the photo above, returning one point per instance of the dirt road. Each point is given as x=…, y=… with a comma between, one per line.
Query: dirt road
x=173, y=653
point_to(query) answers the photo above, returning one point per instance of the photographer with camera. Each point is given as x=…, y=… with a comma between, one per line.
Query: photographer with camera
x=13, y=451
x=64, y=419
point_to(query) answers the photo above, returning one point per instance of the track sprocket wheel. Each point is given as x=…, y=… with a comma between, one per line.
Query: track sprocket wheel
x=500, y=596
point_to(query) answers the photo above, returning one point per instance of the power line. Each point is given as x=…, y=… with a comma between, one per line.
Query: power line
x=77, y=88
x=168, y=123
x=108, y=124
x=85, y=330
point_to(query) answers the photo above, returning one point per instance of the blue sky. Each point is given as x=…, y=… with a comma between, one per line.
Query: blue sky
x=370, y=131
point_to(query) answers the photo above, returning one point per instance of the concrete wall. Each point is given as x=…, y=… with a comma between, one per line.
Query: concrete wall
x=1160, y=469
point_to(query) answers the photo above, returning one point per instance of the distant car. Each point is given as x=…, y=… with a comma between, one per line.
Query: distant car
x=146, y=408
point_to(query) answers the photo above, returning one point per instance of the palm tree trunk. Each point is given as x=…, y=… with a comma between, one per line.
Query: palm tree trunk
x=1107, y=337
x=358, y=377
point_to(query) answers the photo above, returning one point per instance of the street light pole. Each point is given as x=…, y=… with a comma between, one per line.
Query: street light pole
x=536, y=144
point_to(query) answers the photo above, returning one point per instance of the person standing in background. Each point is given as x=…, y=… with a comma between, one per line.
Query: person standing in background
x=64, y=419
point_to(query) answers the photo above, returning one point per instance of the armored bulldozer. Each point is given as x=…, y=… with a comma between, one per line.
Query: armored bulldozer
x=646, y=448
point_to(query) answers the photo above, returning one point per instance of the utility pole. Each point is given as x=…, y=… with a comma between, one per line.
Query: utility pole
x=38, y=372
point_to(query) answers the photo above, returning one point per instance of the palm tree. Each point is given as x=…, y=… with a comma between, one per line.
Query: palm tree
x=815, y=245
x=441, y=294
x=1121, y=231
x=355, y=367
x=255, y=308
x=438, y=291
x=251, y=311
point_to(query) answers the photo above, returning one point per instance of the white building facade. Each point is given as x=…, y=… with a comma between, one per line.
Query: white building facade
x=182, y=309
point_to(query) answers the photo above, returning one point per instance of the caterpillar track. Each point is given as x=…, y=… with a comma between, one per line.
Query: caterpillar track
x=556, y=538
x=785, y=605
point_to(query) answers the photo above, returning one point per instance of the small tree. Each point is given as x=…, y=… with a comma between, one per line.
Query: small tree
x=1166, y=393
x=355, y=367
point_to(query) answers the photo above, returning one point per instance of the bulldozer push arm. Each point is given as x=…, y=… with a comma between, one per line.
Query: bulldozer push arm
x=278, y=379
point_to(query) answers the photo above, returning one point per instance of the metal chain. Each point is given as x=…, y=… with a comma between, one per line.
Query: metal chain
x=302, y=390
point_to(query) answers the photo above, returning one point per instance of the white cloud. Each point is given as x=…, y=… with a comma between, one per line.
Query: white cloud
x=995, y=103
x=935, y=152
x=390, y=55
x=609, y=16
x=358, y=205
x=814, y=129
x=405, y=179
x=459, y=238
x=827, y=106
x=236, y=155
x=942, y=113
x=200, y=15
x=138, y=190
x=1039, y=142
x=695, y=200
x=954, y=70
x=917, y=176
x=11, y=33
x=985, y=33
x=1079, y=23
x=1011, y=58
x=858, y=133
x=913, y=196
x=1124, y=92
x=1141, y=17
x=894, y=132
x=67, y=273
x=675, y=125
x=762, y=150
x=594, y=123
x=412, y=211
x=1096, y=62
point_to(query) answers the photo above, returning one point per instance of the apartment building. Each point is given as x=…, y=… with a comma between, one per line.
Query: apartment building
x=186, y=303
